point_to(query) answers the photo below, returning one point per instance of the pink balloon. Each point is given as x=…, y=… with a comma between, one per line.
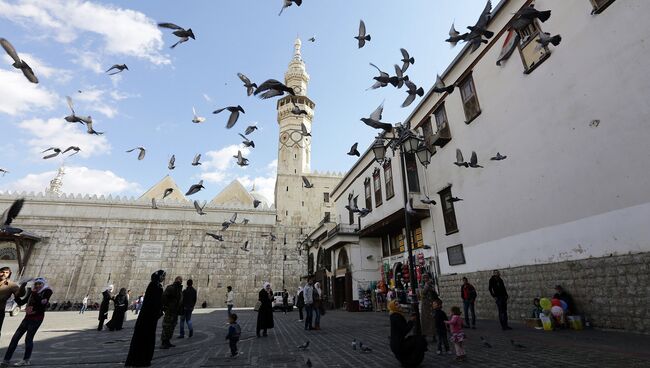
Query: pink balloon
x=556, y=311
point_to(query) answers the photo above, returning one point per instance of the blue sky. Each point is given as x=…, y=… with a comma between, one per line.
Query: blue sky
x=70, y=43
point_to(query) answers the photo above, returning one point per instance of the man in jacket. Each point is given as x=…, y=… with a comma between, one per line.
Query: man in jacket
x=189, y=301
x=468, y=293
x=7, y=289
x=172, y=301
x=498, y=291
x=308, y=295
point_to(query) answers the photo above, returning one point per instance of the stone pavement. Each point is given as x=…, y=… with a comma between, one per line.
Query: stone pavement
x=67, y=339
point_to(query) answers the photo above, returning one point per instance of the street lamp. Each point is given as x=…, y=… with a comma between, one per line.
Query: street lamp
x=408, y=142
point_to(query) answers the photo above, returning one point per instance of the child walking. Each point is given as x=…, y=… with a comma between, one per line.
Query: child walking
x=234, y=331
x=440, y=318
x=457, y=334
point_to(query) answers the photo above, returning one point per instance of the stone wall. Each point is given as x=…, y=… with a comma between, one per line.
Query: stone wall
x=611, y=292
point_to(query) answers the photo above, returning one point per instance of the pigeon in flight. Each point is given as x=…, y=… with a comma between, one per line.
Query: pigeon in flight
x=196, y=160
x=74, y=118
x=352, y=203
x=241, y=160
x=296, y=110
x=498, y=157
x=53, y=149
x=168, y=191
x=516, y=345
x=89, y=126
x=362, y=37
x=256, y=203
x=374, y=120
x=3, y=171
x=250, y=129
x=383, y=79
x=183, y=34
x=196, y=119
x=364, y=212
x=409, y=207
x=195, y=188
x=485, y=343
x=172, y=162
x=72, y=148
x=312, y=39
x=272, y=88
x=306, y=182
x=427, y=200
x=480, y=28
x=473, y=161
x=227, y=223
x=455, y=36
x=247, y=142
x=234, y=114
x=459, y=159
x=304, y=346
x=407, y=59
x=272, y=237
x=198, y=207
x=9, y=215
x=142, y=150
x=440, y=87
x=303, y=130
x=153, y=204
x=454, y=199
x=250, y=87
x=245, y=221
x=400, y=77
x=354, y=151
x=545, y=38
x=245, y=246
x=18, y=63
x=527, y=15
x=412, y=92
x=287, y=3
x=119, y=67
x=215, y=236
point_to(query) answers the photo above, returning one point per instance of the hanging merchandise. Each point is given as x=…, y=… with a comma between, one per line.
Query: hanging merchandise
x=405, y=273
x=418, y=273
x=420, y=258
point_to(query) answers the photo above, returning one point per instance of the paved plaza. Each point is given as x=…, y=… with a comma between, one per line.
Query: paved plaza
x=67, y=339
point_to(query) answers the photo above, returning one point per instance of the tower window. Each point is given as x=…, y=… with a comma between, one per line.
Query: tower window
x=295, y=171
x=295, y=155
x=303, y=203
x=287, y=188
x=326, y=197
x=286, y=213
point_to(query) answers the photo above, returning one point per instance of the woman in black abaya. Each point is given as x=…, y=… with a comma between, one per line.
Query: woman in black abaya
x=143, y=341
x=121, y=303
x=103, y=308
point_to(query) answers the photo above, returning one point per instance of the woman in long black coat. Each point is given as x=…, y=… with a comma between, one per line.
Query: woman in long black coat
x=265, y=313
x=143, y=341
x=103, y=308
x=121, y=305
x=408, y=350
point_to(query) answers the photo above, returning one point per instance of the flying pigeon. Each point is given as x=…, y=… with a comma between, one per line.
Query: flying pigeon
x=304, y=346
x=273, y=237
x=3, y=171
x=409, y=207
x=9, y=215
x=362, y=37
x=196, y=160
x=143, y=152
x=364, y=212
x=198, y=207
x=287, y=3
x=516, y=345
x=247, y=142
x=196, y=119
x=53, y=149
x=545, y=38
x=303, y=130
x=527, y=15
x=250, y=87
x=119, y=67
x=440, y=87
x=72, y=148
x=215, y=236
x=245, y=221
x=498, y=157
x=296, y=110
x=383, y=79
x=459, y=159
x=352, y=203
x=407, y=60
x=354, y=151
x=374, y=120
x=234, y=114
x=227, y=224
x=245, y=246
x=195, y=188
x=272, y=88
x=454, y=199
x=400, y=77
x=427, y=200
x=306, y=182
x=153, y=204
x=183, y=34
x=256, y=203
x=241, y=160
x=455, y=36
x=18, y=63
x=485, y=343
x=480, y=28
x=412, y=92
x=89, y=126
x=74, y=118
x=168, y=191
x=250, y=129
x=473, y=161
x=312, y=39
x=171, y=163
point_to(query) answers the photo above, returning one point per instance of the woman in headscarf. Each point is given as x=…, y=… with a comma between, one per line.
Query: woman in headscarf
x=37, y=301
x=143, y=341
x=121, y=305
x=408, y=350
x=103, y=308
x=426, y=316
x=265, y=312
x=318, y=305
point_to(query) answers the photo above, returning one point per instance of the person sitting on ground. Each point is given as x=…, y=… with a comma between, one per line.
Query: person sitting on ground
x=409, y=351
x=561, y=294
x=537, y=309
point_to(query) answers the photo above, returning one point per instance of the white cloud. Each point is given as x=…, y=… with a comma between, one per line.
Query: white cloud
x=97, y=101
x=89, y=60
x=19, y=95
x=265, y=185
x=77, y=179
x=56, y=132
x=223, y=159
x=123, y=31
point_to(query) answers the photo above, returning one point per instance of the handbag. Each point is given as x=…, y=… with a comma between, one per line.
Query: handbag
x=257, y=306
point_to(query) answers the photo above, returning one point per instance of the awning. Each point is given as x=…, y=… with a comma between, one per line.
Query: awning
x=391, y=223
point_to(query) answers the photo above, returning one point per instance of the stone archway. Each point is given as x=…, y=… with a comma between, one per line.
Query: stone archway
x=342, y=260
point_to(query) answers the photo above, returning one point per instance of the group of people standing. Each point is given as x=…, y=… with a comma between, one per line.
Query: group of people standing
x=310, y=298
x=121, y=305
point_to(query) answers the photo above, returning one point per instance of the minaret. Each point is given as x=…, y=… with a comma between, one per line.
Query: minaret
x=294, y=149
x=57, y=183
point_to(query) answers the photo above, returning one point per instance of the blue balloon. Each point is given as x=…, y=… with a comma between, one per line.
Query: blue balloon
x=564, y=305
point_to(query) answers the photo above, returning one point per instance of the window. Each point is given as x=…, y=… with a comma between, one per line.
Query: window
x=456, y=255
x=470, y=100
x=310, y=264
x=326, y=197
x=532, y=53
x=418, y=241
x=600, y=5
x=427, y=131
x=376, y=180
x=443, y=134
x=448, y=211
x=412, y=172
x=385, y=246
x=326, y=218
x=366, y=187
x=388, y=178
x=396, y=239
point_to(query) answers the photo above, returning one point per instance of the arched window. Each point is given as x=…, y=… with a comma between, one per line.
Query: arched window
x=342, y=261
x=320, y=259
x=310, y=264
